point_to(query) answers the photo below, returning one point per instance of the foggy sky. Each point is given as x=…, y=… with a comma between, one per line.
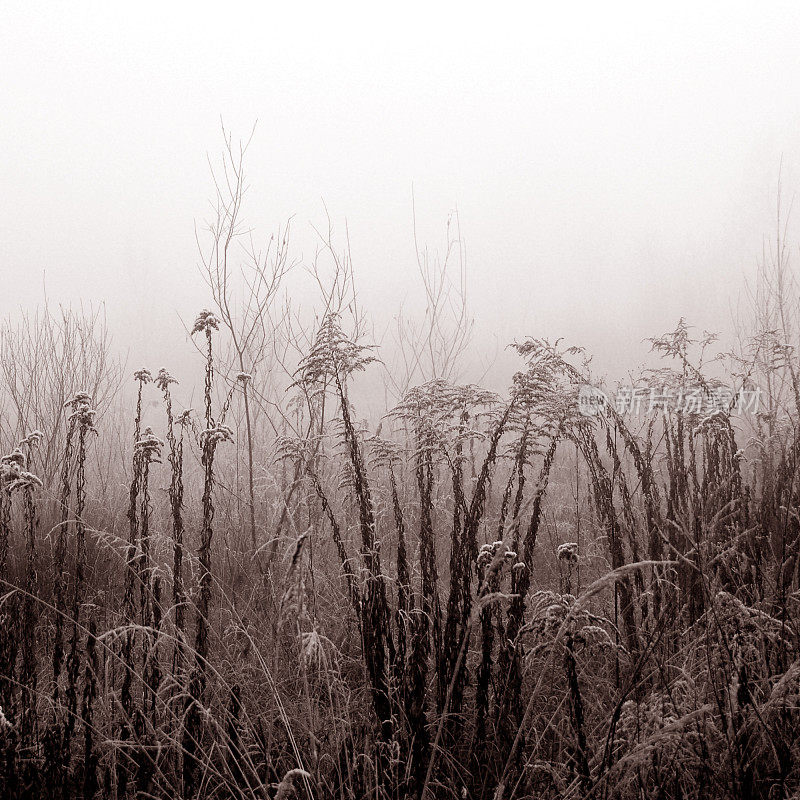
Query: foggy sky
x=614, y=168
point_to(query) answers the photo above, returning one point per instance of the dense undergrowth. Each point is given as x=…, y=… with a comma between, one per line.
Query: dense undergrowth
x=496, y=597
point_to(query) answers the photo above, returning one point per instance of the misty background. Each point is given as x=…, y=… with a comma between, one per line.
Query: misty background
x=613, y=168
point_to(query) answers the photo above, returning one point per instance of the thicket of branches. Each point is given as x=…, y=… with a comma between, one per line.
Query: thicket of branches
x=46, y=356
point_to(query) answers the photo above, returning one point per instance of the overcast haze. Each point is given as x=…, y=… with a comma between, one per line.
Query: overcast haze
x=613, y=168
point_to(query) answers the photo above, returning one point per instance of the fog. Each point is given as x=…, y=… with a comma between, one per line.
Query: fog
x=273, y=567
x=613, y=169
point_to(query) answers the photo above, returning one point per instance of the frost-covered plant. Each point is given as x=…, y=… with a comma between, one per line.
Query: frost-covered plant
x=163, y=382
x=16, y=479
x=333, y=358
x=211, y=436
x=205, y=322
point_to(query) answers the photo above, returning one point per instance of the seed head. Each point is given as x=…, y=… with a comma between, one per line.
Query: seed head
x=80, y=398
x=16, y=458
x=32, y=439
x=205, y=321
x=215, y=435
x=568, y=552
x=22, y=480
x=149, y=446
x=164, y=379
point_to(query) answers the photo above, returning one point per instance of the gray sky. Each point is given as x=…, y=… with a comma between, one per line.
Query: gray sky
x=614, y=168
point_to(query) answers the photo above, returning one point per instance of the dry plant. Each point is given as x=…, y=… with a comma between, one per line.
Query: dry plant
x=482, y=595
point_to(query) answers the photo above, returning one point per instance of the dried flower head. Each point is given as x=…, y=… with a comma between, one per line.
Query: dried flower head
x=143, y=376
x=332, y=354
x=82, y=412
x=80, y=398
x=496, y=551
x=205, y=321
x=164, y=379
x=22, y=480
x=384, y=452
x=15, y=457
x=149, y=446
x=84, y=415
x=568, y=552
x=211, y=437
x=33, y=439
x=312, y=649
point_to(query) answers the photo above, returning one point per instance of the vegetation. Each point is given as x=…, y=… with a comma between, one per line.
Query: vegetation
x=483, y=595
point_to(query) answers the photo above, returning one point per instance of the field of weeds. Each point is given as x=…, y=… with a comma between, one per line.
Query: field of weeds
x=494, y=596
x=541, y=592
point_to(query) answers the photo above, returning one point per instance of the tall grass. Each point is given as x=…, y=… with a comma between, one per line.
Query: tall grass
x=426, y=634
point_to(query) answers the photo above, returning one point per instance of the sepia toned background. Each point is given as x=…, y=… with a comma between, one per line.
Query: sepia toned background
x=613, y=168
